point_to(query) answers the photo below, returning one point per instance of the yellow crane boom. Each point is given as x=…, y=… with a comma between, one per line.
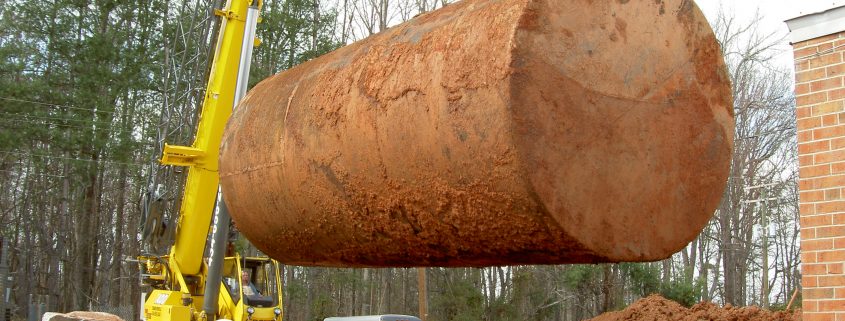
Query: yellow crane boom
x=186, y=288
x=200, y=191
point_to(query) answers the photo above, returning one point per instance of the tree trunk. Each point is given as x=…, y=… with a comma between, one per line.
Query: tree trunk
x=728, y=251
x=117, y=263
x=607, y=287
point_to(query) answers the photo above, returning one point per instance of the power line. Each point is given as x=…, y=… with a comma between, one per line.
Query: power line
x=54, y=105
x=25, y=116
x=145, y=140
x=108, y=130
x=28, y=174
x=764, y=133
x=69, y=158
x=818, y=54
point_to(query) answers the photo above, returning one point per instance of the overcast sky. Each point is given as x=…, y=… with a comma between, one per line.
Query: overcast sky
x=773, y=13
x=775, y=10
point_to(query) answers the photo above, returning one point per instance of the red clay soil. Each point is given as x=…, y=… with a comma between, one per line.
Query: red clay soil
x=657, y=308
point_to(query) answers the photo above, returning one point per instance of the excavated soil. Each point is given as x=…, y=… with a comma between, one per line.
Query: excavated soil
x=658, y=308
x=90, y=316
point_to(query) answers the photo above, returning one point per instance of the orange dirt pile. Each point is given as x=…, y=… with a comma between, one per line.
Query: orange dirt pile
x=657, y=308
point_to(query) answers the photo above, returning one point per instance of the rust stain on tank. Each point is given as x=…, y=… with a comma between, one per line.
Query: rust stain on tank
x=489, y=132
x=622, y=28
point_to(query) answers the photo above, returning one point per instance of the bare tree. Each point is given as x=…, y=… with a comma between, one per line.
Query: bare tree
x=763, y=105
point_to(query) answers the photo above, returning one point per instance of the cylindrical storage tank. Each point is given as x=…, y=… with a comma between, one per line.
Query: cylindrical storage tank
x=489, y=132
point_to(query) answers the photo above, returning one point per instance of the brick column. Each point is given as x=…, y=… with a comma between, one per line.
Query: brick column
x=819, y=91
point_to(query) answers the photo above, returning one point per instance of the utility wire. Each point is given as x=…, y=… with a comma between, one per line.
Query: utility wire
x=24, y=117
x=108, y=130
x=69, y=158
x=54, y=105
x=811, y=56
x=30, y=174
x=773, y=131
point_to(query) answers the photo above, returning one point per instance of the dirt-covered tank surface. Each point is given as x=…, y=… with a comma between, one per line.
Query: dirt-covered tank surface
x=489, y=132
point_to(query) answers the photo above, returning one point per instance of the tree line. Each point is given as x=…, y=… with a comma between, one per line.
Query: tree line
x=91, y=89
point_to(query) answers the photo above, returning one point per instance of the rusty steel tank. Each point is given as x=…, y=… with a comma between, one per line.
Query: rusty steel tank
x=489, y=132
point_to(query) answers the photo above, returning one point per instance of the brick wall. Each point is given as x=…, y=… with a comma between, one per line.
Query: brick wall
x=819, y=91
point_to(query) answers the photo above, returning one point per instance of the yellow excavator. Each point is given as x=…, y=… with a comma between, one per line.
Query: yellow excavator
x=187, y=284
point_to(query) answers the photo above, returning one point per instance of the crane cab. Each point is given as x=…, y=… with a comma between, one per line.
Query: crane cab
x=251, y=289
